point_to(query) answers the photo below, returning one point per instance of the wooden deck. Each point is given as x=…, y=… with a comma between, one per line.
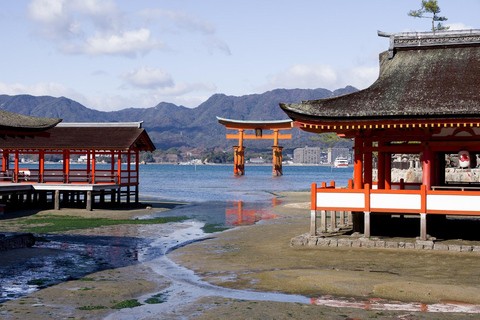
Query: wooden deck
x=65, y=193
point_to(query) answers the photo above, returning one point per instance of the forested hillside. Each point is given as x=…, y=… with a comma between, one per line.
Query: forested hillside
x=170, y=125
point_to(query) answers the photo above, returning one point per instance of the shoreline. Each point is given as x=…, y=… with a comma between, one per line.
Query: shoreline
x=260, y=258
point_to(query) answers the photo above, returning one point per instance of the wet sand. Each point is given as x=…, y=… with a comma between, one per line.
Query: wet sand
x=260, y=258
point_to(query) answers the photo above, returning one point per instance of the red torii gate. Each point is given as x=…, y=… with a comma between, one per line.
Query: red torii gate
x=258, y=126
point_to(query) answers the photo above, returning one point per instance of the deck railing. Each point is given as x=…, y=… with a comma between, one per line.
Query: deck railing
x=74, y=176
x=451, y=202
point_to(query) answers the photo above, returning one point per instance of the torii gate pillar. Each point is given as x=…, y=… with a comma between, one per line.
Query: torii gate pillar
x=277, y=161
x=238, y=160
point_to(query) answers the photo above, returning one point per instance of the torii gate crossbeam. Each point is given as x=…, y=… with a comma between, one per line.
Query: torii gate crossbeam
x=258, y=127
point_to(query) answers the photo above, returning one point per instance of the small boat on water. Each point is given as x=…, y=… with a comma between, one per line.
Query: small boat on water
x=340, y=163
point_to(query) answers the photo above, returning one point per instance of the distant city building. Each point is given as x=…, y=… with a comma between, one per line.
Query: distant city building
x=307, y=155
x=335, y=153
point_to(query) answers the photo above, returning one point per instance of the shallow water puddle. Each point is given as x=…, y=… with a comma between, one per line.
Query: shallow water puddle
x=382, y=304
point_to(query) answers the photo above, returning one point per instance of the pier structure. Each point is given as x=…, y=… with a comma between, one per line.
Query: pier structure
x=258, y=127
x=78, y=149
x=425, y=103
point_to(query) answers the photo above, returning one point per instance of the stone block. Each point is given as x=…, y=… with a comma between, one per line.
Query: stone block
x=391, y=244
x=466, y=248
x=380, y=244
x=333, y=243
x=298, y=241
x=425, y=245
x=476, y=248
x=356, y=243
x=440, y=247
x=401, y=245
x=323, y=242
x=344, y=242
x=368, y=244
x=312, y=241
x=455, y=247
x=409, y=245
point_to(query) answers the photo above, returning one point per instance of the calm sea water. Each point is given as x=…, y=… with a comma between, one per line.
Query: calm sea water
x=208, y=183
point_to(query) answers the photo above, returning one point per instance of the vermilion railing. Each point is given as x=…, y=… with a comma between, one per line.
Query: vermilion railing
x=451, y=202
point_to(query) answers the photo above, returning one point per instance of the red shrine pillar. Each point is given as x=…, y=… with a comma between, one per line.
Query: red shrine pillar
x=388, y=171
x=380, y=167
x=427, y=167
x=367, y=164
x=358, y=165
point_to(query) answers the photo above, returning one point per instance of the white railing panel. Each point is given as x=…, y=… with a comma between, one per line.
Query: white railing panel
x=454, y=203
x=395, y=201
x=340, y=200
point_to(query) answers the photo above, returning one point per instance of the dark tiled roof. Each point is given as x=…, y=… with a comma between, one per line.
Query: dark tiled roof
x=13, y=122
x=419, y=81
x=91, y=136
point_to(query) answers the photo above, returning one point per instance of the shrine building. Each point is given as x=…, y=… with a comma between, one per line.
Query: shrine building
x=71, y=180
x=425, y=102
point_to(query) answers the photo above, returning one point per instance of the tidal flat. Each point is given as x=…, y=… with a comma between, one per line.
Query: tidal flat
x=256, y=258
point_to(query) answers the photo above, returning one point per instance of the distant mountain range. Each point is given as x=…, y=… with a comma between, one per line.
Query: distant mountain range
x=170, y=125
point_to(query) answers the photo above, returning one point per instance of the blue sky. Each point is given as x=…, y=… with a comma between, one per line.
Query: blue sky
x=116, y=54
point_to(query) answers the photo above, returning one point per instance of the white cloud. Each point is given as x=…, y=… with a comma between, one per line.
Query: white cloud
x=127, y=44
x=179, y=21
x=53, y=19
x=148, y=78
x=314, y=76
x=182, y=20
x=93, y=27
x=41, y=89
x=458, y=26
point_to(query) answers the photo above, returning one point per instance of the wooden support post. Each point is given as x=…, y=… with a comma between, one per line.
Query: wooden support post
x=89, y=200
x=128, y=194
x=119, y=195
x=57, y=200
x=313, y=222
x=333, y=220
x=423, y=226
x=342, y=218
x=323, y=221
x=366, y=232
x=136, y=194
